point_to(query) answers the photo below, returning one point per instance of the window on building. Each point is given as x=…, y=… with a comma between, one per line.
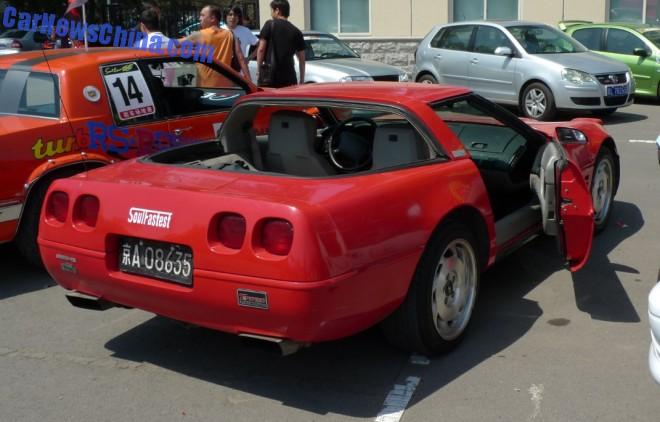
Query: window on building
x=635, y=11
x=340, y=16
x=464, y=10
x=589, y=37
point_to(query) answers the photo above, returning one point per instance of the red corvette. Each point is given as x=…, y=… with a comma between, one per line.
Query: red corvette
x=323, y=210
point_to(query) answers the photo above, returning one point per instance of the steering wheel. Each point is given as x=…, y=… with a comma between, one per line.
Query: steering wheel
x=348, y=150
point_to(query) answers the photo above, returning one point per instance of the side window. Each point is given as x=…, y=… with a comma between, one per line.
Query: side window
x=622, y=42
x=129, y=94
x=189, y=88
x=456, y=38
x=488, y=39
x=589, y=37
x=40, y=96
x=435, y=41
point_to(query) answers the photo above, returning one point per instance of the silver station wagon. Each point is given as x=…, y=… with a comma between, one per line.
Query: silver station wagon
x=527, y=64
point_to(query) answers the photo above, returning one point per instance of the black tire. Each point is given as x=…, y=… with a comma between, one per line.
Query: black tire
x=600, y=186
x=605, y=111
x=26, y=238
x=539, y=96
x=427, y=79
x=413, y=326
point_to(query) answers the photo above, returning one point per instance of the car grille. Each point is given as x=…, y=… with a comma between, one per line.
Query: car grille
x=616, y=101
x=586, y=101
x=612, y=78
x=386, y=78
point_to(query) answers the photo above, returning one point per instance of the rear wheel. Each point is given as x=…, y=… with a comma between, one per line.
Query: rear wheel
x=538, y=102
x=602, y=188
x=26, y=238
x=437, y=310
x=427, y=79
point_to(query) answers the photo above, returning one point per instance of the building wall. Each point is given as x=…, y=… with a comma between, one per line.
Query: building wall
x=397, y=26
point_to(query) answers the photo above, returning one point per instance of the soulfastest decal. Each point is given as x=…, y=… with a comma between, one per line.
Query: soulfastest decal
x=98, y=136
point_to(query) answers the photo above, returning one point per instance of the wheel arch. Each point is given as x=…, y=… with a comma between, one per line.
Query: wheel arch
x=476, y=223
x=424, y=72
x=49, y=174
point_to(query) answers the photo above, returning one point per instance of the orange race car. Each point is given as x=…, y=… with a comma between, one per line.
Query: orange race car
x=66, y=111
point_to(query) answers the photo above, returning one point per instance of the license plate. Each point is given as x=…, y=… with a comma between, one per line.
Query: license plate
x=166, y=261
x=617, y=91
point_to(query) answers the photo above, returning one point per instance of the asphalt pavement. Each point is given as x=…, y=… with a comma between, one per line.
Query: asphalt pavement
x=544, y=345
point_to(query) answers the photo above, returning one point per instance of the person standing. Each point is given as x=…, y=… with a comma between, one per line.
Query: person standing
x=233, y=20
x=224, y=44
x=149, y=24
x=287, y=41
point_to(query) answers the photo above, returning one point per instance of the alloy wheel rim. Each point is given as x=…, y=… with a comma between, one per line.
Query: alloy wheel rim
x=427, y=81
x=601, y=191
x=535, y=102
x=454, y=289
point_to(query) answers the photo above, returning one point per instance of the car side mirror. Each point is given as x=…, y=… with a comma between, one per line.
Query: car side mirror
x=641, y=52
x=503, y=51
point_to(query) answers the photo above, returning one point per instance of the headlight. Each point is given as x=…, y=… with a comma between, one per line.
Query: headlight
x=569, y=135
x=577, y=77
x=404, y=77
x=355, y=78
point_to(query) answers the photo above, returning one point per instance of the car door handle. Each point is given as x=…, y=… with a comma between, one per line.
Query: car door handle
x=474, y=61
x=438, y=56
x=179, y=131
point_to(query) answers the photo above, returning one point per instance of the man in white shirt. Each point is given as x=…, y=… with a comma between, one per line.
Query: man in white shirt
x=233, y=19
x=149, y=25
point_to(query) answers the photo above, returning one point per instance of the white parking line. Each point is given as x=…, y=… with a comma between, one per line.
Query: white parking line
x=641, y=141
x=397, y=400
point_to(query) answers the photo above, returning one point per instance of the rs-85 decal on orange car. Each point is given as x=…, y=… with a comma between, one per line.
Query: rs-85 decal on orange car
x=66, y=111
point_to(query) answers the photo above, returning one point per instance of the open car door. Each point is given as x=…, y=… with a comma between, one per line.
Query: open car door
x=566, y=205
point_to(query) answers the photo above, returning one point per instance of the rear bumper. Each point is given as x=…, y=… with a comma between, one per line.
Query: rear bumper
x=299, y=311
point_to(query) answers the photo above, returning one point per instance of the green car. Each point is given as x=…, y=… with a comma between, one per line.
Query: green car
x=635, y=44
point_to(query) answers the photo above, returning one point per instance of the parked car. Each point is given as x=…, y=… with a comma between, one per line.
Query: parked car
x=65, y=111
x=328, y=59
x=636, y=45
x=525, y=64
x=323, y=209
x=15, y=41
x=654, y=322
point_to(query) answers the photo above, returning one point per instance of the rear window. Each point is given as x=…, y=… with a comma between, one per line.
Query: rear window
x=13, y=34
x=29, y=93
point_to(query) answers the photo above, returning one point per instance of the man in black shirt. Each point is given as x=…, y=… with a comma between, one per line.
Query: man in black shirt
x=286, y=40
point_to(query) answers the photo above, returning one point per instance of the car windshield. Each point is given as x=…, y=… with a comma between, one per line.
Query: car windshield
x=13, y=34
x=318, y=47
x=653, y=36
x=537, y=39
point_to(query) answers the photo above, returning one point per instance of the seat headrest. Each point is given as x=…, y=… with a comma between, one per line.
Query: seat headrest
x=397, y=144
x=291, y=131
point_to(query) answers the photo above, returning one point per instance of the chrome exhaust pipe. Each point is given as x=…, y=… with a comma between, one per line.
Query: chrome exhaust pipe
x=287, y=347
x=85, y=301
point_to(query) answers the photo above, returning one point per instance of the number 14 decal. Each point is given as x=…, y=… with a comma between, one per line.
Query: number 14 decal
x=128, y=91
x=133, y=91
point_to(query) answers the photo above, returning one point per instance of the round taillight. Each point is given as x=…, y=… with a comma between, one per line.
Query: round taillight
x=86, y=211
x=57, y=206
x=277, y=236
x=230, y=230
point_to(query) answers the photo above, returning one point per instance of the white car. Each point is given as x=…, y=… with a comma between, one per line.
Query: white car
x=328, y=59
x=654, y=322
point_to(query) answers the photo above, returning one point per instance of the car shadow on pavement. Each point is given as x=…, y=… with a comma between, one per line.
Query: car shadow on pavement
x=620, y=117
x=353, y=376
x=598, y=288
x=18, y=276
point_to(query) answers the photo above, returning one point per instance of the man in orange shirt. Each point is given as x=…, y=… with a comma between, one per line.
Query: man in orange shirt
x=224, y=44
